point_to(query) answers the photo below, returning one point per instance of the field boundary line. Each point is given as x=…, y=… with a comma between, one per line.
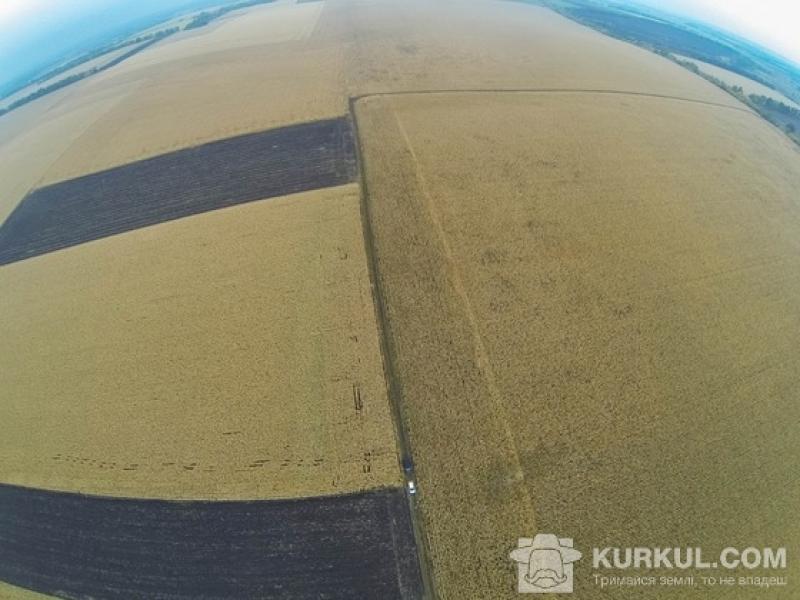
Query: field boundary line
x=387, y=356
x=354, y=99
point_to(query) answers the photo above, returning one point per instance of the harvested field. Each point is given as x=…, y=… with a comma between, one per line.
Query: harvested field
x=215, y=175
x=592, y=323
x=355, y=546
x=229, y=355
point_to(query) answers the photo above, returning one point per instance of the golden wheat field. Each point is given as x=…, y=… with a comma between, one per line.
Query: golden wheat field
x=10, y=592
x=594, y=292
x=181, y=360
x=400, y=47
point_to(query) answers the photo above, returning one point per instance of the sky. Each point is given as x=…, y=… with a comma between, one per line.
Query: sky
x=32, y=31
x=774, y=24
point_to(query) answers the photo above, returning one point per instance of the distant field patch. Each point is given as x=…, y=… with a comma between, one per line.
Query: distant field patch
x=195, y=180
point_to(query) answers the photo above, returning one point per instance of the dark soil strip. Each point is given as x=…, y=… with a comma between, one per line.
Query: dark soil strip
x=195, y=180
x=74, y=546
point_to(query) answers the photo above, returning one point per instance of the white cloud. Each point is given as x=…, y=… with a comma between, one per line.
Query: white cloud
x=13, y=10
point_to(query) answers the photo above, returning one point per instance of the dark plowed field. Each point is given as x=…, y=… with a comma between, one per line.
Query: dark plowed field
x=357, y=546
x=215, y=175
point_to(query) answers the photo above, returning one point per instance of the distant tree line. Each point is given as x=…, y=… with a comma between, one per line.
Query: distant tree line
x=45, y=90
x=61, y=83
x=156, y=35
x=776, y=105
x=768, y=106
x=204, y=18
x=765, y=106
